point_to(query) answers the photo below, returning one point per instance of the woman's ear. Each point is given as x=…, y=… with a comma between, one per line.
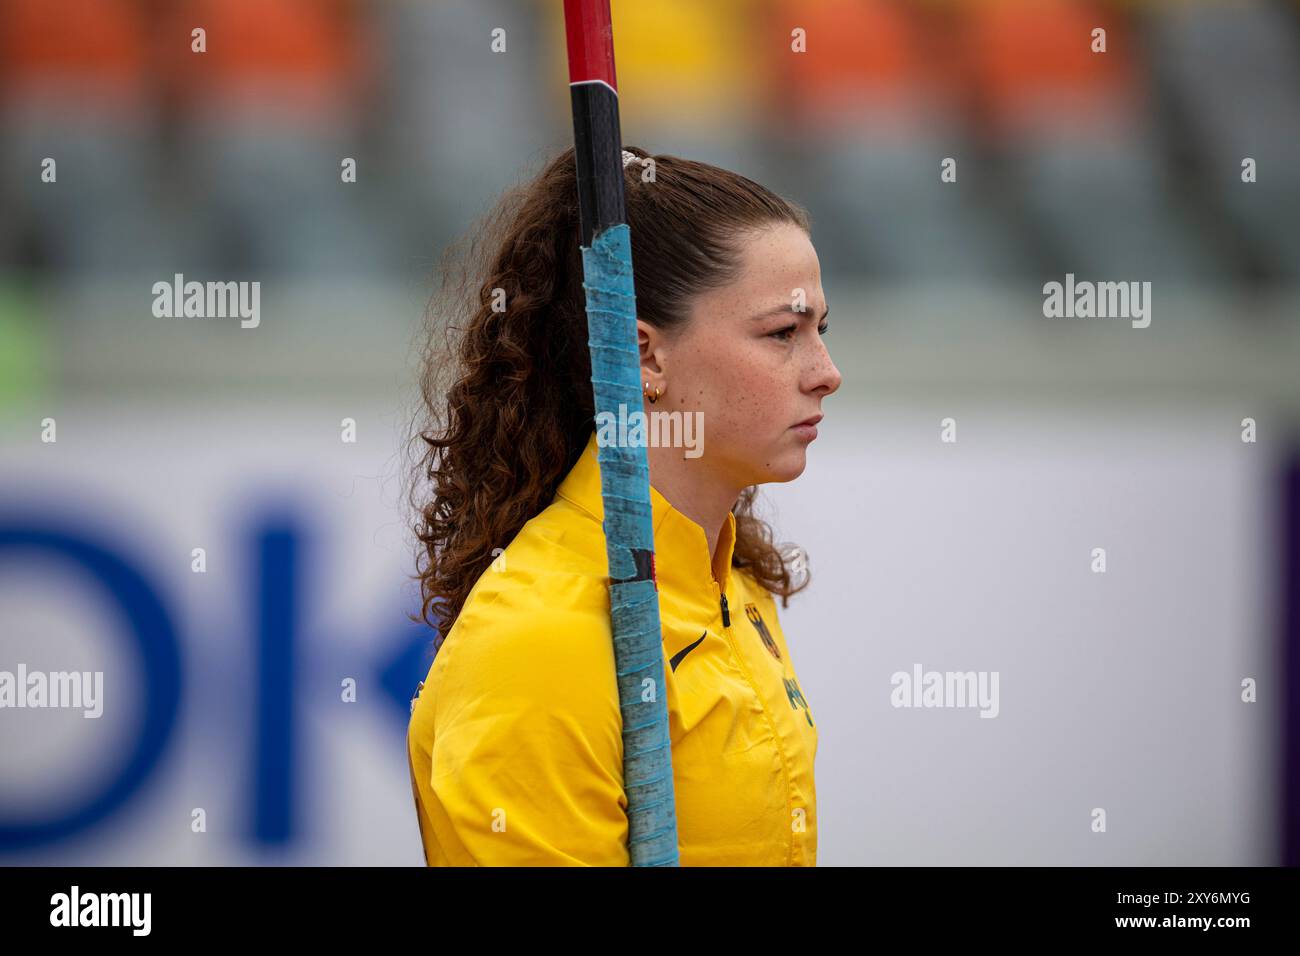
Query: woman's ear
x=650, y=345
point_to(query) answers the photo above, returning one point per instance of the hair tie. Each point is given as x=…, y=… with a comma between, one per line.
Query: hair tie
x=628, y=157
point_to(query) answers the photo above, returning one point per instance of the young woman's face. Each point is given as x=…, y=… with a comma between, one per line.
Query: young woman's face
x=754, y=366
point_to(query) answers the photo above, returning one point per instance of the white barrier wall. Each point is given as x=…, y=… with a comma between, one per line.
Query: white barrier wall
x=1118, y=691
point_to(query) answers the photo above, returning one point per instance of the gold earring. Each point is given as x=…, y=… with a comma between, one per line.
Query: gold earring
x=645, y=390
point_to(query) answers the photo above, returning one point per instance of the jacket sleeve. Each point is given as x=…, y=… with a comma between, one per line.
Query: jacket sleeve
x=527, y=757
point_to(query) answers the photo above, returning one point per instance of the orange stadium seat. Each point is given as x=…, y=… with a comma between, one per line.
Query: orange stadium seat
x=861, y=54
x=313, y=50
x=94, y=48
x=1025, y=61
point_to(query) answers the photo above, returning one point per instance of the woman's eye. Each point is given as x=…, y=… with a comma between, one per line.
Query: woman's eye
x=785, y=333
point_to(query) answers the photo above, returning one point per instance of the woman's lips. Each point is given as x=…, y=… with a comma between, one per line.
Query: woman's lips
x=807, y=428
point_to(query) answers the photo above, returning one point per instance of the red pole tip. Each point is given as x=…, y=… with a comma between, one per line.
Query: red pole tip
x=590, y=35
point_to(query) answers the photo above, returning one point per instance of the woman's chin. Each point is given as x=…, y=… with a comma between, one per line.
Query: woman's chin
x=787, y=464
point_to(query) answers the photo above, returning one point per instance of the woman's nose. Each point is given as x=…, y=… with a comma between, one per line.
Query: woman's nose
x=826, y=374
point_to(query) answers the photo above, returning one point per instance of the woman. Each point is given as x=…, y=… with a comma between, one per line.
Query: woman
x=515, y=738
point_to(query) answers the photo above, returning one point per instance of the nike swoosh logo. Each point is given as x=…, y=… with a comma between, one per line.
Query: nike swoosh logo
x=677, y=658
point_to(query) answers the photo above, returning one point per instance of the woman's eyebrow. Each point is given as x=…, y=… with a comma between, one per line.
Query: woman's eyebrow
x=788, y=307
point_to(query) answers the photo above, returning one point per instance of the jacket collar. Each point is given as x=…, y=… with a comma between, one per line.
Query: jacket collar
x=682, y=559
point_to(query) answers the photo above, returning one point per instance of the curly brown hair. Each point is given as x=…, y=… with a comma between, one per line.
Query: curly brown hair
x=506, y=394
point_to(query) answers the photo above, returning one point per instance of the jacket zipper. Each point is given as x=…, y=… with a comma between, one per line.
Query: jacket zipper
x=776, y=737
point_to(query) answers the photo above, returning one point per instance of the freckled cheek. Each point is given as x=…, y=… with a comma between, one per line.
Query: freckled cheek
x=741, y=403
x=738, y=391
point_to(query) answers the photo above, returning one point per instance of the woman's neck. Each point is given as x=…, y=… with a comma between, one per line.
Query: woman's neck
x=694, y=490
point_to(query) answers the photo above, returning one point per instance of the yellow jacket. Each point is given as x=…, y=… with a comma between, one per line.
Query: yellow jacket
x=515, y=741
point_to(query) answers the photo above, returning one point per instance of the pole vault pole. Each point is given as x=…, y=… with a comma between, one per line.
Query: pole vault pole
x=624, y=471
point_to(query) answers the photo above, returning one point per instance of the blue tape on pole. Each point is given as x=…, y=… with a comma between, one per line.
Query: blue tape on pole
x=634, y=605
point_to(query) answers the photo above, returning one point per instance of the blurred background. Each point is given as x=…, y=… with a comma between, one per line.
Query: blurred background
x=225, y=686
